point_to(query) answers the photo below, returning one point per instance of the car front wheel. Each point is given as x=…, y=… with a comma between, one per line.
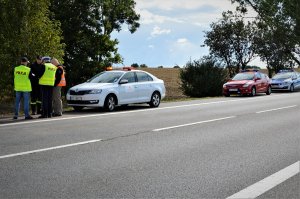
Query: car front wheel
x=110, y=103
x=269, y=91
x=155, y=100
x=253, y=91
x=292, y=88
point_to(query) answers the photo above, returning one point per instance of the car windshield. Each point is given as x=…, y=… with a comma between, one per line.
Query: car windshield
x=106, y=77
x=282, y=76
x=243, y=76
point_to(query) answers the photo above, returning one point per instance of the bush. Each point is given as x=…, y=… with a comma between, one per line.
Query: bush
x=203, y=78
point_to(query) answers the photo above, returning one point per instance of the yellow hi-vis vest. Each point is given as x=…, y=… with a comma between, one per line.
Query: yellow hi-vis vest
x=48, y=77
x=21, y=79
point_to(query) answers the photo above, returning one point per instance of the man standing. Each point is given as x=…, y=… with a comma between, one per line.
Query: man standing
x=60, y=81
x=22, y=76
x=47, y=82
x=36, y=96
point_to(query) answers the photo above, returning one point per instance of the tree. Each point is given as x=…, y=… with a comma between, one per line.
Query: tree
x=26, y=30
x=202, y=78
x=231, y=41
x=143, y=66
x=280, y=15
x=87, y=26
x=271, y=48
x=134, y=65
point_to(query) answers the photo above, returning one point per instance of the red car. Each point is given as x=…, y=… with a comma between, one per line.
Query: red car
x=247, y=83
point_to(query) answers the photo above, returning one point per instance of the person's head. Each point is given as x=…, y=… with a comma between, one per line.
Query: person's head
x=46, y=59
x=55, y=62
x=24, y=61
x=39, y=59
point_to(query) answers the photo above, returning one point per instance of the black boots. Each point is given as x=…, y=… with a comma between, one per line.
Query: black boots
x=33, y=109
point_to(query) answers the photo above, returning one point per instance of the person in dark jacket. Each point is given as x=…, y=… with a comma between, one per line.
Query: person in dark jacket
x=36, y=94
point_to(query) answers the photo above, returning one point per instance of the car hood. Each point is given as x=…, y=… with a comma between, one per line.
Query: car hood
x=89, y=86
x=239, y=82
x=279, y=80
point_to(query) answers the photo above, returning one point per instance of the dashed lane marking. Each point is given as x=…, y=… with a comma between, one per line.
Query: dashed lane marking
x=48, y=149
x=268, y=183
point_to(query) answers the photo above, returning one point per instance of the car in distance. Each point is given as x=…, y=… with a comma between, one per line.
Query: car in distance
x=113, y=88
x=288, y=80
x=248, y=82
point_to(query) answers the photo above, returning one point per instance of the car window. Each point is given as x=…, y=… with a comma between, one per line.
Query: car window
x=143, y=77
x=106, y=77
x=258, y=75
x=129, y=76
x=282, y=75
x=243, y=76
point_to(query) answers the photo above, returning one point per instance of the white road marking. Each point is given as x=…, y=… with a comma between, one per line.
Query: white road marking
x=276, y=109
x=194, y=123
x=48, y=149
x=268, y=183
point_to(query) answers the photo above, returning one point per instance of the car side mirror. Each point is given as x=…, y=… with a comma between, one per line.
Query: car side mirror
x=123, y=81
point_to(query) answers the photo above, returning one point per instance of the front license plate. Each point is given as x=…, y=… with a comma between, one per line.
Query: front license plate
x=233, y=89
x=76, y=98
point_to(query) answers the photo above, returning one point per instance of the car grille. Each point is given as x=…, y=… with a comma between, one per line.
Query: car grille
x=233, y=86
x=72, y=92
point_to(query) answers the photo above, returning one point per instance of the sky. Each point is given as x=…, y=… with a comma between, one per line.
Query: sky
x=171, y=32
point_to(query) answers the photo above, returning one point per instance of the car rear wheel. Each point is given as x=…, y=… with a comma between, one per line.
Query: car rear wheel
x=292, y=88
x=110, y=103
x=269, y=91
x=253, y=91
x=155, y=100
x=78, y=108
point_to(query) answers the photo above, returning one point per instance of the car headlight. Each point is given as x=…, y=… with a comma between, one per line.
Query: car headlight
x=95, y=91
x=286, y=81
x=246, y=85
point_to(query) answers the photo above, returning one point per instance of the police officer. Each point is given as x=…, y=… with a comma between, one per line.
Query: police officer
x=36, y=95
x=47, y=82
x=60, y=81
x=22, y=76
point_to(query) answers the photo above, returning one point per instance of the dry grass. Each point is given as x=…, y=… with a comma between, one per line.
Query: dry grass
x=171, y=79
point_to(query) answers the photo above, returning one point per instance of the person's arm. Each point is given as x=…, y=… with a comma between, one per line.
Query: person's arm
x=58, y=74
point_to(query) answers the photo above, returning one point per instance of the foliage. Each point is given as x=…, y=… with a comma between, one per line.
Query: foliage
x=176, y=66
x=135, y=65
x=231, y=41
x=160, y=67
x=143, y=66
x=282, y=18
x=87, y=26
x=202, y=78
x=26, y=30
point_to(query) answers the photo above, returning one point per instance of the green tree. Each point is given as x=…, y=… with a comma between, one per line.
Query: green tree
x=280, y=15
x=231, y=41
x=203, y=78
x=26, y=30
x=134, y=65
x=87, y=25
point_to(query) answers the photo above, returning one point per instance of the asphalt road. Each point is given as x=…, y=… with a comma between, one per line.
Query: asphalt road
x=211, y=148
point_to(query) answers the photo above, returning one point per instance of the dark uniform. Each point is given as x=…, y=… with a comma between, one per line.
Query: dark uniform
x=36, y=95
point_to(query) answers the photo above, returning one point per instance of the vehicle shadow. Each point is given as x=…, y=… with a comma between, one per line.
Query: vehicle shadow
x=93, y=110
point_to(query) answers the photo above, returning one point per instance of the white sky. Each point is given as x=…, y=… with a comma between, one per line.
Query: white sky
x=171, y=31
